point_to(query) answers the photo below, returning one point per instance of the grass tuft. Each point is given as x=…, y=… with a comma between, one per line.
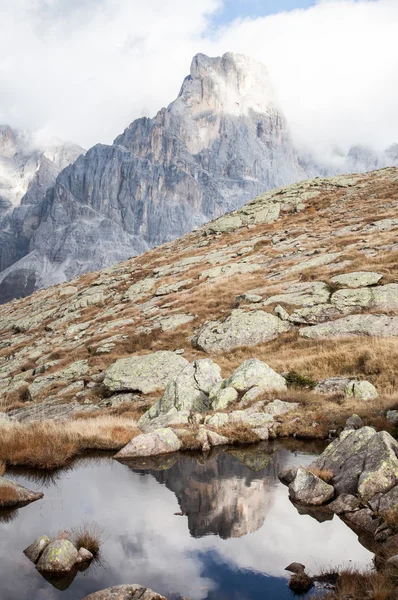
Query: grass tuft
x=88, y=536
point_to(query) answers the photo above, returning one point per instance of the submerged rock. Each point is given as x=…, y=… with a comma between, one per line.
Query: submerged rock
x=239, y=329
x=160, y=441
x=145, y=373
x=125, y=592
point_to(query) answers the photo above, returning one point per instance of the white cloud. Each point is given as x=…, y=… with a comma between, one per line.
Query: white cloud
x=84, y=70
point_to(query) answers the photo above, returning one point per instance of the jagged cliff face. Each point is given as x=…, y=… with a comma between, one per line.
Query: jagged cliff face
x=26, y=173
x=220, y=143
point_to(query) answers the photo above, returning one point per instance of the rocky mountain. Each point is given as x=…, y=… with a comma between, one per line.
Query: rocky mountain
x=223, y=141
x=220, y=143
x=27, y=171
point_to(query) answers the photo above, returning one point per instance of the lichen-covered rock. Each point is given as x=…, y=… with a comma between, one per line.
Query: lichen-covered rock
x=145, y=373
x=320, y=313
x=125, y=592
x=360, y=390
x=372, y=325
x=35, y=550
x=357, y=279
x=384, y=297
x=252, y=374
x=276, y=408
x=160, y=441
x=239, y=329
x=303, y=294
x=188, y=391
x=14, y=495
x=332, y=385
x=208, y=439
x=307, y=488
x=64, y=376
x=59, y=556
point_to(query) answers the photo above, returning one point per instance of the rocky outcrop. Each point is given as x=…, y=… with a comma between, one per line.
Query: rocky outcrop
x=370, y=325
x=160, y=441
x=362, y=466
x=125, y=592
x=14, y=495
x=145, y=373
x=239, y=329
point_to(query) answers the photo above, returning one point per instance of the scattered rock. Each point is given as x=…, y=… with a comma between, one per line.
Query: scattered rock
x=145, y=373
x=85, y=556
x=307, y=488
x=303, y=294
x=239, y=329
x=360, y=390
x=354, y=422
x=332, y=385
x=160, y=441
x=372, y=325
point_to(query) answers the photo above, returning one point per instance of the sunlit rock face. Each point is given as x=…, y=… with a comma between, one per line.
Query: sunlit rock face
x=220, y=143
x=222, y=497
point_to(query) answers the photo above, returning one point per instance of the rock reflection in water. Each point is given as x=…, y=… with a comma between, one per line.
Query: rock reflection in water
x=222, y=496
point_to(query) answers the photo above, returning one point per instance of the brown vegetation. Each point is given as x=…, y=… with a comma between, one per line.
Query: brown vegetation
x=88, y=536
x=324, y=474
x=48, y=445
x=357, y=585
x=8, y=495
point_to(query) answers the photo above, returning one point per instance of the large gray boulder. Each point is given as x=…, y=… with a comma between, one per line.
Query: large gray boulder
x=307, y=488
x=59, y=556
x=125, y=592
x=372, y=325
x=357, y=279
x=187, y=392
x=160, y=441
x=308, y=293
x=384, y=297
x=145, y=373
x=252, y=374
x=239, y=329
x=14, y=495
x=360, y=390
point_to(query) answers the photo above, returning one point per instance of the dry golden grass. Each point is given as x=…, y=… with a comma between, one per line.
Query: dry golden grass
x=373, y=585
x=48, y=445
x=324, y=474
x=237, y=433
x=2, y=468
x=88, y=536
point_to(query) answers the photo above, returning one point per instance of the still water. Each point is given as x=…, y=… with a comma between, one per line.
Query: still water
x=215, y=529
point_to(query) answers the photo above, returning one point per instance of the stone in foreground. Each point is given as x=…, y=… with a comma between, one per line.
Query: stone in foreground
x=58, y=557
x=145, y=373
x=239, y=329
x=35, y=550
x=160, y=441
x=125, y=592
x=308, y=489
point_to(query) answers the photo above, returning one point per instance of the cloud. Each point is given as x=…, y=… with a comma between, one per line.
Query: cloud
x=84, y=70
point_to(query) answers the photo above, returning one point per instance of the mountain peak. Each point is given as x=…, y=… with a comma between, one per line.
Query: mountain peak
x=232, y=84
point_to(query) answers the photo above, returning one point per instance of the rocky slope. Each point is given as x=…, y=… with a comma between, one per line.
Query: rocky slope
x=303, y=278
x=27, y=171
x=220, y=143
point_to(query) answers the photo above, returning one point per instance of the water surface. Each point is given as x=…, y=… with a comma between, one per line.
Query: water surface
x=214, y=529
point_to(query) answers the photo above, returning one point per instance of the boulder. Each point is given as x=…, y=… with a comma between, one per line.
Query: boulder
x=320, y=313
x=360, y=390
x=372, y=325
x=384, y=297
x=59, y=556
x=332, y=385
x=239, y=329
x=85, y=556
x=145, y=373
x=303, y=294
x=160, y=441
x=354, y=422
x=35, y=550
x=357, y=279
x=253, y=373
x=208, y=439
x=188, y=391
x=392, y=416
x=13, y=495
x=307, y=488
x=125, y=592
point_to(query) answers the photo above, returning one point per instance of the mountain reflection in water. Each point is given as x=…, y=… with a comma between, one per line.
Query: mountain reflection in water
x=214, y=528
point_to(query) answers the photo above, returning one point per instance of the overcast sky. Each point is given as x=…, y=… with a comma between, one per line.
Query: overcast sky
x=84, y=69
